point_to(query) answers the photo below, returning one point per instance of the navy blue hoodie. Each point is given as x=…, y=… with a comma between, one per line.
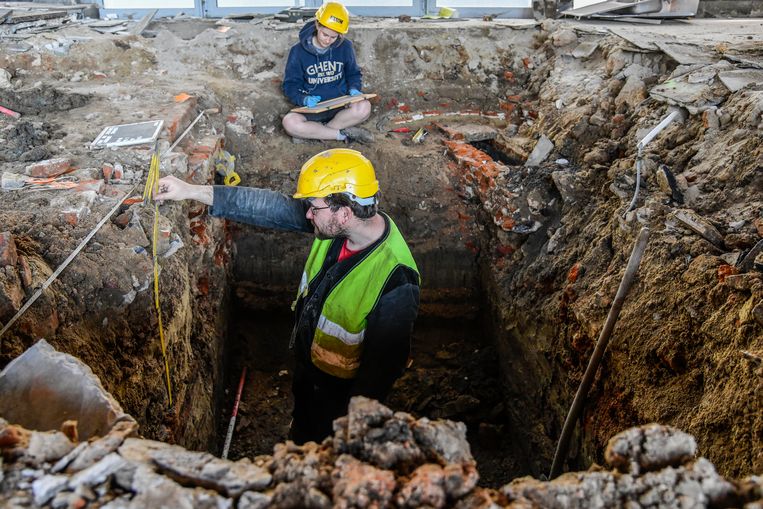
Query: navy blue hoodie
x=329, y=75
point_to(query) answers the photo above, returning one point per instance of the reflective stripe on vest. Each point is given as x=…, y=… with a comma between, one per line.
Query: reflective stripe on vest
x=338, y=339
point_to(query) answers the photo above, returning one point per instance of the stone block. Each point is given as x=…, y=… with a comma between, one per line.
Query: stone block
x=476, y=132
x=541, y=151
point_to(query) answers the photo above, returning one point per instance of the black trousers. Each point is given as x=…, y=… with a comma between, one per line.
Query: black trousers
x=318, y=400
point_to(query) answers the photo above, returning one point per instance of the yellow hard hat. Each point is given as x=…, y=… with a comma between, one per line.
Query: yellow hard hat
x=337, y=170
x=333, y=15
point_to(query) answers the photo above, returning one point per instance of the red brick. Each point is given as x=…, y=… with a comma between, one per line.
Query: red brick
x=8, y=254
x=49, y=167
x=178, y=116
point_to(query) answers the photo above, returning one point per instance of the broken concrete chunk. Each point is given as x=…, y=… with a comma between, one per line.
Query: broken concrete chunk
x=139, y=450
x=446, y=438
x=649, y=448
x=254, y=500
x=585, y=49
x=47, y=487
x=99, y=472
x=42, y=370
x=227, y=477
x=10, y=181
x=49, y=446
x=476, y=132
x=541, y=151
x=372, y=433
x=699, y=225
x=738, y=79
x=99, y=448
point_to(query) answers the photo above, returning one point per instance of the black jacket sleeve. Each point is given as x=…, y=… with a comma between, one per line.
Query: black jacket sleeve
x=260, y=207
x=387, y=344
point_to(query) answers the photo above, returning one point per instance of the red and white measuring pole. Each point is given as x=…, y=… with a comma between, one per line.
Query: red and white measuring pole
x=232, y=423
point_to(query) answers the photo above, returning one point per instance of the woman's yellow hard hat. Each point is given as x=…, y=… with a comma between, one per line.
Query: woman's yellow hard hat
x=334, y=15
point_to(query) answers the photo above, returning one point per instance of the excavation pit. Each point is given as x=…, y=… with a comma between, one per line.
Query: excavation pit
x=520, y=262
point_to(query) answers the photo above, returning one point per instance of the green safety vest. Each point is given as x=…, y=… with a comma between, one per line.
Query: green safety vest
x=338, y=340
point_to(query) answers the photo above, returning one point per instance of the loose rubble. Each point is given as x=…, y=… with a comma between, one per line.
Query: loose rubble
x=376, y=458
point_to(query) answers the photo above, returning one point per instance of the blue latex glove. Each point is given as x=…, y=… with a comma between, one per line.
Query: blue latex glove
x=355, y=91
x=311, y=100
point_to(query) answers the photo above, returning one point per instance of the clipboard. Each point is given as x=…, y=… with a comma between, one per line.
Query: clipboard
x=336, y=102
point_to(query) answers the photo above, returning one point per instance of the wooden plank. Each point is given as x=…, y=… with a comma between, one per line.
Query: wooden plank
x=331, y=104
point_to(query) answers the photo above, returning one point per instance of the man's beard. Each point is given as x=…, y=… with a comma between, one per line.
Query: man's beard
x=332, y=230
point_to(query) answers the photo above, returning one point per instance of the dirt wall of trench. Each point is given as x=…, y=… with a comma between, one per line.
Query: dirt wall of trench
x=680, y=353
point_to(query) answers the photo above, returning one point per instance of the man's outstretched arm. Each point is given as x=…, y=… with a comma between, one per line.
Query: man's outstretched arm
x=172, y=188
x=259, y=207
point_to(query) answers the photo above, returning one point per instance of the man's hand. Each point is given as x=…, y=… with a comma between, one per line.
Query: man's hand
x=311, y=100
x=172, y=188
x=355, y=91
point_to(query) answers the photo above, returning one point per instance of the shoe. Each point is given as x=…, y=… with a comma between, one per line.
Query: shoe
x=357, y=134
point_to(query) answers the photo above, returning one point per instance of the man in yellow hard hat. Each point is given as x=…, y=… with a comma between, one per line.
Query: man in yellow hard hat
x=322, y=66
x=359, y=293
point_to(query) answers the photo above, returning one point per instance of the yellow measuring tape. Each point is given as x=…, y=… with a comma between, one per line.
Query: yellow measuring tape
x=152, y=186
